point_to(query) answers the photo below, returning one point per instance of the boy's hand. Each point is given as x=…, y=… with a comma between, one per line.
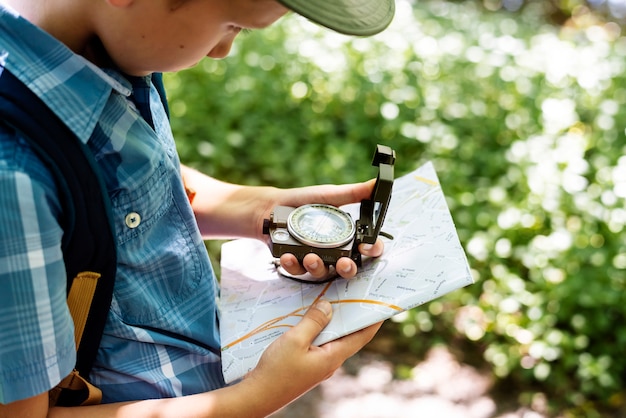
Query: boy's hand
x=225, y=210
x=314, y=265
x=332, y=195
x=290, y=366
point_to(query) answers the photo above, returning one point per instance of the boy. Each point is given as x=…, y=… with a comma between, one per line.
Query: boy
x=90, y=62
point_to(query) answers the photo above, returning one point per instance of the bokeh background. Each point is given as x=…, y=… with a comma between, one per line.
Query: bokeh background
x=520, y=106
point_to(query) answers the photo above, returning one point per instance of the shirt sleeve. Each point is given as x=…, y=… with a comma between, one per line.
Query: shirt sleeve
x=36, y=330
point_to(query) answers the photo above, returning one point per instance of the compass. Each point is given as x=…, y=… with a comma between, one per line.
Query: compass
x=321, y=226
x=327, y=230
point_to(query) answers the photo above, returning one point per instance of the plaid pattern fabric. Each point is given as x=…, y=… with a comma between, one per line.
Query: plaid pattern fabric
x=161, y=338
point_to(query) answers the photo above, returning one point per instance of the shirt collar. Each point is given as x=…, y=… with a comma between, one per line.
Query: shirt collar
x=71, y=86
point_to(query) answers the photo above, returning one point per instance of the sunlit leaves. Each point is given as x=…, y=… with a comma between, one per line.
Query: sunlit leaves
x=525, y=125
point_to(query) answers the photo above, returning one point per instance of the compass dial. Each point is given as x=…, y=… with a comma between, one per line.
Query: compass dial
x=321, y=226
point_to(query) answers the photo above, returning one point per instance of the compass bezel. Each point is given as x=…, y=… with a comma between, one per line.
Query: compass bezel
x=347, y=231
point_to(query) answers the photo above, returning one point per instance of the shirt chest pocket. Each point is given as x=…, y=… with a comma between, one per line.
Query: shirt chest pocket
x=159, y=252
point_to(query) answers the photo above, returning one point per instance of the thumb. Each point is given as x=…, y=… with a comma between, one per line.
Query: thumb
x=313, y=322
x=351, y=193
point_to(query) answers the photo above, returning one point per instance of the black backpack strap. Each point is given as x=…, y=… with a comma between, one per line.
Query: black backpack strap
x=88, y=240
x=157, y=80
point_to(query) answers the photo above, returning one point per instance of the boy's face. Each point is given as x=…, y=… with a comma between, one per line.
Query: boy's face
x=144, y=36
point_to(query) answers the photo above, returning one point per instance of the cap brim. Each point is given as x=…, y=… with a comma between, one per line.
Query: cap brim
x=351, y=17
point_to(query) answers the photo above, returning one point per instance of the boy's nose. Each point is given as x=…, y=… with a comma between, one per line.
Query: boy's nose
x=222, y=49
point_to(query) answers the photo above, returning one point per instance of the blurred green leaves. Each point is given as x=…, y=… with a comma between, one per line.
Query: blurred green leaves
x=524, y=123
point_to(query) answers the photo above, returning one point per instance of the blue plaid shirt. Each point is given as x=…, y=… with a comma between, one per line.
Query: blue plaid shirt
x=161, y=337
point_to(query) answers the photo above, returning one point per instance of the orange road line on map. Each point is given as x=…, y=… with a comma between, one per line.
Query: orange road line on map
x=427, y=181
x=271, y=323
x=370, y=302
x=263, y=327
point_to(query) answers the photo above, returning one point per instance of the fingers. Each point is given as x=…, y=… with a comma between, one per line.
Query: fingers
x=314, y=265
x=311, y=264
x=336, y=195
x=313, y=322
x=346, y=268
x=372, y=250
x=290, y=263
x=352, y=343
x=317, y=318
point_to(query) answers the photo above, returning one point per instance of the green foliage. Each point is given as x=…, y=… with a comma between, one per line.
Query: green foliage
x=523, y=123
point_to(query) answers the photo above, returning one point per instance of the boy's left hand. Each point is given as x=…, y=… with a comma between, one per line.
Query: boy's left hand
x=314, y=265
x=336, y=195
x=225, y=211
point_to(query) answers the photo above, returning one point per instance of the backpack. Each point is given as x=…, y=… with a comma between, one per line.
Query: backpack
x=88, y=245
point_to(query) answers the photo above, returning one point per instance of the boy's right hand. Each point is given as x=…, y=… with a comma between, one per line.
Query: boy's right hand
x=291, y=365
x=288, y=368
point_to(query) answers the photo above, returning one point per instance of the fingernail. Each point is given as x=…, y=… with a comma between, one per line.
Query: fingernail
x=366, y=247
x=324, y=306
x=346, y=269
x=313, y=265
x=288, y=263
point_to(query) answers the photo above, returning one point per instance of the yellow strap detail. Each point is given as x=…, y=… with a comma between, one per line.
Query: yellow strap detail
x=80, y=387
x=79, y=301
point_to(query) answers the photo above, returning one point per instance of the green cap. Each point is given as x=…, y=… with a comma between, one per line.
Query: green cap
x=351, y=17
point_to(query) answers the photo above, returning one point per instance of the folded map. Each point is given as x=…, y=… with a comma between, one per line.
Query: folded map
x=423, y=261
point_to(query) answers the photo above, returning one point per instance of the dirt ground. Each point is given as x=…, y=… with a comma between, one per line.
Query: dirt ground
x=440, y=386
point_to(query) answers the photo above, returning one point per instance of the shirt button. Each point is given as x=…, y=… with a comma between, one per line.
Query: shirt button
x=133, y=220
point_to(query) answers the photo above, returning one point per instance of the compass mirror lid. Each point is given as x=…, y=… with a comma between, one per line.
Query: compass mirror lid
x=373, y=211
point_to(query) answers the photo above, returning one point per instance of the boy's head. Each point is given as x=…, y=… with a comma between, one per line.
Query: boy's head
x=144, y=36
